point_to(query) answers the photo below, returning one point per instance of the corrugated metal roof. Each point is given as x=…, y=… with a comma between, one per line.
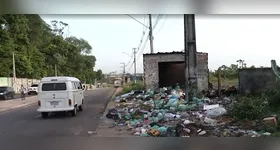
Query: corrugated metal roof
x=174, y=52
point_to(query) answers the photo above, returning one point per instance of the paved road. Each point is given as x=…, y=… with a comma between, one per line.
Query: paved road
x=27, y=123
x=15, y=97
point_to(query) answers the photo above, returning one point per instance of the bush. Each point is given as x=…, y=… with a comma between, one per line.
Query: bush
x=250, y=107
x=132, y=86
x=274, y=96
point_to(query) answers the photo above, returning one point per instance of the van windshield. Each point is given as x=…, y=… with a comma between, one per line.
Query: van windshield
x=53, y=86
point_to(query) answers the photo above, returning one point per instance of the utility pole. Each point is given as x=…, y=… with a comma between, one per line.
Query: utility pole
x=134, y=55
x=14, y=70
x=151, y=34
x=55, y=70
x=190, y=56
x=123, y=72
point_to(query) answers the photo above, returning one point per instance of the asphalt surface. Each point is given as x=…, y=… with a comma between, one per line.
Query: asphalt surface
x=15, y=97
x=26, y=122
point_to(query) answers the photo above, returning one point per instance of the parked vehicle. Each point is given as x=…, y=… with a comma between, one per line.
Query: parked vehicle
x=6, y=92
x=58, y=94
x=33, y=89
x=117, y=82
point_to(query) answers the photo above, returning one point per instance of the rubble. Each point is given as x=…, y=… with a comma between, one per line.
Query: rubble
x=165, y=113
x=270, y=121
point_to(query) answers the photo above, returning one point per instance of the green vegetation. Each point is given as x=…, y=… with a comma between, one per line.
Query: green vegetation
x=229, y=75
x=132, y=86
x=250, y=107
x=40, y=47
x=257, y=107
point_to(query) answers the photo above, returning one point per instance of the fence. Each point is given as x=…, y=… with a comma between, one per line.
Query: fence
x=7, y=81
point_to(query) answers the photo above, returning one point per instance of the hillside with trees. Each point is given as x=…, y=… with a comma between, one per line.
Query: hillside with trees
x=39, y=48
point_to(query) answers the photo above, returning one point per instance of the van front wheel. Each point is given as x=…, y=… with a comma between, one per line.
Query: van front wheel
x=74, y=112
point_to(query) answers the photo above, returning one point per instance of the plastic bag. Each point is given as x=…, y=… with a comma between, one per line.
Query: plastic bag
x=182, y=107
x=216, y=112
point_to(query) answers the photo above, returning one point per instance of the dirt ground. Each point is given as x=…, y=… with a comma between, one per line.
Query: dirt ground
x=107, y=128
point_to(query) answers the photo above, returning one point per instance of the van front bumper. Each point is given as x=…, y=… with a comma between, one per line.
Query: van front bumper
x=54, y=109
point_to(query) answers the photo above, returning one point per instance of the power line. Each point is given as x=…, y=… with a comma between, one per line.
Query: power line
x=140, y=43
x=143, y=48
x=161, y=25
x=147, y=39
x=131, y=56
x=142, y=37
x=157, y=20
x=137, y=21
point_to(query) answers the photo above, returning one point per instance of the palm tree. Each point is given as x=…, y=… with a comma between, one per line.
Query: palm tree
x=241, y=63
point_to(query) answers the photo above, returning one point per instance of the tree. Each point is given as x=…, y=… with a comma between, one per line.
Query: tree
x=241, y=63
x=99, y=75
x=252, y=66
x=39, y=47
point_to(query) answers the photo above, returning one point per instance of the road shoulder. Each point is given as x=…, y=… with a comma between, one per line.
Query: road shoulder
x=106, y=127
x=8, y=105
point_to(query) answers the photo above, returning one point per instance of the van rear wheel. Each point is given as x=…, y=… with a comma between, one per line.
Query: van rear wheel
x=74, y=111
x=44, y=115
x=81, y=107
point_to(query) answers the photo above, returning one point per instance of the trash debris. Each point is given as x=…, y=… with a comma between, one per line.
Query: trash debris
x=165, y=113
x=270, y=121
x=91, y=132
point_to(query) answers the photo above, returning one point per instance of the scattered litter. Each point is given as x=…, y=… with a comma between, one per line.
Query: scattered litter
x=165, y=113
x=270, y=121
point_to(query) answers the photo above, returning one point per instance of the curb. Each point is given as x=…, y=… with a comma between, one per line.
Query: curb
x=110, y=99
x=106, y=109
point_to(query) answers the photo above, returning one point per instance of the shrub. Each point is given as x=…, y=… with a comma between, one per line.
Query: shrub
x=132, y=86
x=274, y=96
x=250, y=107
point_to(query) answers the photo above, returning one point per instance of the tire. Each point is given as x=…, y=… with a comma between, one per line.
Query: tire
x=44, y=115
x=81, y=107
x=12, y=96
x=5, y=97
x=74, y=112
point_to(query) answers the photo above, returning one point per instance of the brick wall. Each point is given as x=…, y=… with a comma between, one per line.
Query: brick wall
x=151, y=69
x=256, y=79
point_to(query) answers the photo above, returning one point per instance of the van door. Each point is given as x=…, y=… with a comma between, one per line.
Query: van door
x=81, y=91
x=75, y=93
x=54, y=95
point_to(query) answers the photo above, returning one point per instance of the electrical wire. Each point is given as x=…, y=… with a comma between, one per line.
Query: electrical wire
x=140, y=43
x=146, y=41
x=161, y=25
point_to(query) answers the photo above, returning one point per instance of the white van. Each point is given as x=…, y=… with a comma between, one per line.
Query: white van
x=60, y=93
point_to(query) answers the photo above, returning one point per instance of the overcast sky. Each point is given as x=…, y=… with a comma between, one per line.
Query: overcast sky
x=226, y=38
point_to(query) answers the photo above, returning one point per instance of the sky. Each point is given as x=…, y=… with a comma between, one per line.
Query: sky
x=226, y=38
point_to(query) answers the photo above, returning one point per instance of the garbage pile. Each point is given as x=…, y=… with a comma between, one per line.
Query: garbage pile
x=165, y=113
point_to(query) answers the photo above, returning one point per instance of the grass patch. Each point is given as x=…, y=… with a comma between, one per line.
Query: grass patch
x=132, y=86
x=229, y=82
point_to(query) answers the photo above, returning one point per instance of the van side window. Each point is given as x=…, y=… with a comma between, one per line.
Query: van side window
x=74, y=85
x=79, y=85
